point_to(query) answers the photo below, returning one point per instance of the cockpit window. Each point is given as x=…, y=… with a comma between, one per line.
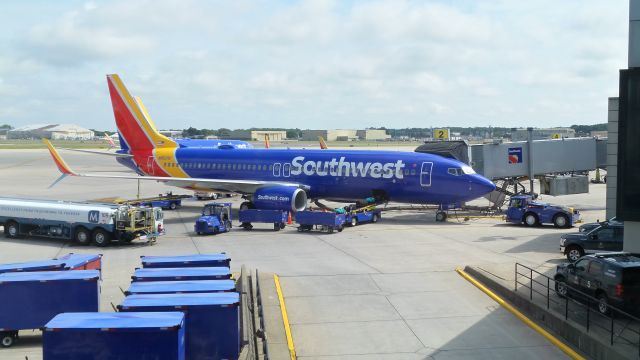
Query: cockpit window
x=468, y=170
x=454, y=171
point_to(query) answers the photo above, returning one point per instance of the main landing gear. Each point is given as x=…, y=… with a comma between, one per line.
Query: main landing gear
x=441, y=216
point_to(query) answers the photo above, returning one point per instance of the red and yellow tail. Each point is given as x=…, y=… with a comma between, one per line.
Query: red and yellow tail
x=132, y=120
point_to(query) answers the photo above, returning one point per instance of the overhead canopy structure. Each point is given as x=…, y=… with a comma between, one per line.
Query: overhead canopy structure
x=456, y=149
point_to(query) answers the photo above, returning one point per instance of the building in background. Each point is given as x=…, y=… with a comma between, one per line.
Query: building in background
x=372, y=134
x=52, y=131
x=330, y=135
x=257, y=135
x=542, y=134
x=599, y=134
x=175, y=134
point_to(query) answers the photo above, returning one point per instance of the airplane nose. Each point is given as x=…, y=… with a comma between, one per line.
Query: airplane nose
x=483, y=185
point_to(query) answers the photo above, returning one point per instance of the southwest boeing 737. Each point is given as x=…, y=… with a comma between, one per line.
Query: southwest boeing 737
x=285, y=178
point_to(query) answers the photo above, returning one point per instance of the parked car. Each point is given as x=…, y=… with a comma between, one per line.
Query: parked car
x=606, y=237
x=590, y=226
x=612, y=278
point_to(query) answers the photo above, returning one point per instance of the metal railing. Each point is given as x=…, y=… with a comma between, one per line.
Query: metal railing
x=621, y=327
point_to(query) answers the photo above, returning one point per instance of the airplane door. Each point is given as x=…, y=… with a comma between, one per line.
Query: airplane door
x=286, y=169
x=425, y=174
x=276, y=169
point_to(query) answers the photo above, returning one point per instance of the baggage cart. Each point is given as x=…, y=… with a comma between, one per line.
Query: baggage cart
x=212, y=320
x=202, y=260
x=73, y=261
x=276, y=217
x=180, y=287
x=31, y=299
x=123, y=336
x=67, y=262
x=320, y=220
x=176, y=274
x=41, y=265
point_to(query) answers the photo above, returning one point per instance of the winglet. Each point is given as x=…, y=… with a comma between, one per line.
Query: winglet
x=62, y=166
x=323, y=145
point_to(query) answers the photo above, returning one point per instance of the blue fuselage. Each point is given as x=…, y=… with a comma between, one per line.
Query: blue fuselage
x=341, y=174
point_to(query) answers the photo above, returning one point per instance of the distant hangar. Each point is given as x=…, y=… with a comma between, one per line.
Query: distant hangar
x=51, y=131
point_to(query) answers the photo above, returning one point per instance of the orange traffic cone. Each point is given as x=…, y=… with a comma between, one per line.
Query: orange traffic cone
x=289, y=221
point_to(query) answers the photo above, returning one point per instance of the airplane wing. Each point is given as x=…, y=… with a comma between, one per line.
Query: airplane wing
x=223, y=185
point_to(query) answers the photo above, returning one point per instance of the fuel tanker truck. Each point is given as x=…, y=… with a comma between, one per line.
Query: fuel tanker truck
x=83, y=223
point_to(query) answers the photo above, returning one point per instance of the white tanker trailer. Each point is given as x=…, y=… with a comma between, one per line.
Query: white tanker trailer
x=81, y=222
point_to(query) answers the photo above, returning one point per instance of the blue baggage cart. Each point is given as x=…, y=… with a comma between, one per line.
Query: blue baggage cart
x=212, y=321
x=174, y=274
x=180, y=287
x=201, y=260
x=122, y=336
x=276, y=217
x=321, y=220
x=73, y=261
x=31, y=299
x=43, y=265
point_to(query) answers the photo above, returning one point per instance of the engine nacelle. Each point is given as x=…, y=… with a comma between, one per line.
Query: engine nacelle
x=280, y=198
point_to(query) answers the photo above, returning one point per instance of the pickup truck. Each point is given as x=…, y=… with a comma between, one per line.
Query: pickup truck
x=607, y=237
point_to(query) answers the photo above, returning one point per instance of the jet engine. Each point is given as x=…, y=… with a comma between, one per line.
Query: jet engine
x=280, y=198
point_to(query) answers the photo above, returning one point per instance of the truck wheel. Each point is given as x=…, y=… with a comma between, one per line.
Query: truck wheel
x=574, y=253
x=282, y=226
x=11, y=229
x=340, y=228
x=561, y=287
x=7, y=339
x=228, y=226
x=561, y=221
x=216, y=230
x=101, y=238
x=603, y=304
x=173, y=206
x=330, y=230
x=276, y=227
x=374, y=219
x=354, y=221
x=531, y=219
x=82, y=236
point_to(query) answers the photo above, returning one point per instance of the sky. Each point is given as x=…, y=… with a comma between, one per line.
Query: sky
x=314, y=64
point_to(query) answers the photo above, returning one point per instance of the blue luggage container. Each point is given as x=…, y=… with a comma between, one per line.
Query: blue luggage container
x=211, y=320
x=180, y=287
x=276, y=217
x=202, y=260
x=122, y=336
x=174, y=274
x=31, y=299
x=73, y=261
x=325, y=220
x=44, y=265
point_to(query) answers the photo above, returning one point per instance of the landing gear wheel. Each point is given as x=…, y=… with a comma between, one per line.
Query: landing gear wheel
x=561, y=221
x=101, y=238
x=561, y=287
x=574, y=253
x=354, y=221
x=603, y=304
x=8, y=338
x=441, y=216
x=531, y=220
x=11, y=229
x=82, y=236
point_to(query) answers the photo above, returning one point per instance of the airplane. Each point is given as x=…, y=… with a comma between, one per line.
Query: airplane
x=109, y=140
x=323, y=145
x=285, y=179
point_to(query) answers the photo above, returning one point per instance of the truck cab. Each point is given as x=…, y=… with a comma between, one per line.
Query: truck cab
x=216, y=218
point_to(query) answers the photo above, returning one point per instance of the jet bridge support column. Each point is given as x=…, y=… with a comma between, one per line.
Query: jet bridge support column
x=530, y=157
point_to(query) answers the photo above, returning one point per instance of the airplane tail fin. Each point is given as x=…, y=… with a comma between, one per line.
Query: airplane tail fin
x=266, y=141
x=133, y=121
x=109, y=141
x=323, y=145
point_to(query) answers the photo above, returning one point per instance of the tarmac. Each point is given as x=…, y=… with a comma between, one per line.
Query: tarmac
x=380, y=291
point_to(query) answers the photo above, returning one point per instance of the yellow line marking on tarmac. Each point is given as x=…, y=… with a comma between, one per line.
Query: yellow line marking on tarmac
x=285, y=318
x=562, y=346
